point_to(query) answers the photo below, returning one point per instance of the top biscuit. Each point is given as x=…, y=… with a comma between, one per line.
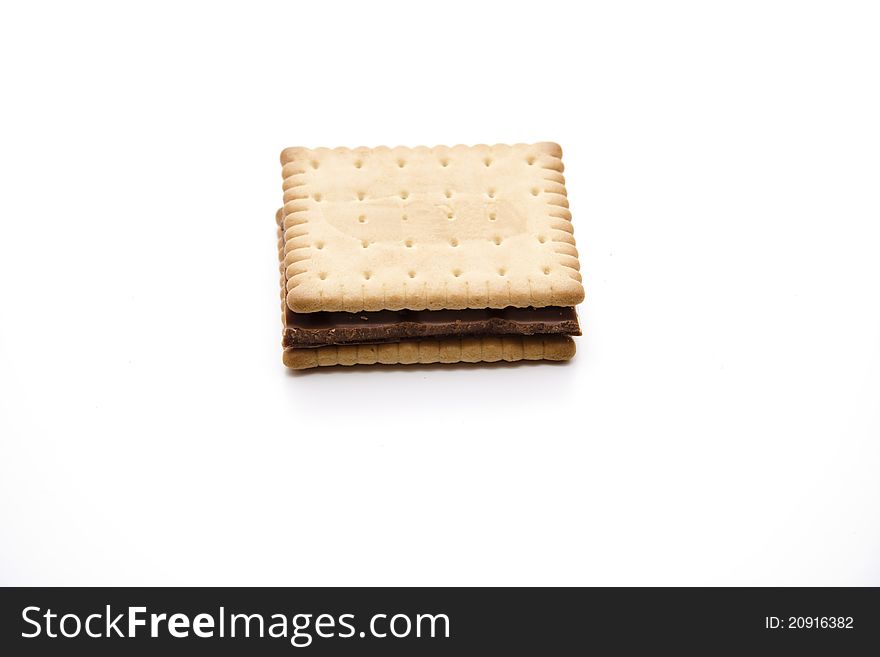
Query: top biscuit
x=427, y=228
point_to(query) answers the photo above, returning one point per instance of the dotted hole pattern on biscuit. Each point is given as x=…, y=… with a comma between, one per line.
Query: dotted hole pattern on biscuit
x=501, y=211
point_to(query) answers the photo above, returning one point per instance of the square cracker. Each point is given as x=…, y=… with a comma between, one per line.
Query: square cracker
x=478, y=349
x=426, y=228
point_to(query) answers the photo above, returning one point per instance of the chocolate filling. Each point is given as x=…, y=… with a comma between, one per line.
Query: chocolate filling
x=333, y=328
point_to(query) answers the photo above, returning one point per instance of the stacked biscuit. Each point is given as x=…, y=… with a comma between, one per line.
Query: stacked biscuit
x=424, y=255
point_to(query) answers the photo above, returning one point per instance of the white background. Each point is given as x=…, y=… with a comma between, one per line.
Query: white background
x=720, y=423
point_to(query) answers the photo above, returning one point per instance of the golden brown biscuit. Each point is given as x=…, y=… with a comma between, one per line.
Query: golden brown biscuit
x=413, y=229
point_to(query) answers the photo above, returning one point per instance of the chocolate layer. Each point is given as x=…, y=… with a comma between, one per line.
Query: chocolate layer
x=334, y=328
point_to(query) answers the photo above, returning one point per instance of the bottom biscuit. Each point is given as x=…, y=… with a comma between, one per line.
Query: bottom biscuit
x=488, y=349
